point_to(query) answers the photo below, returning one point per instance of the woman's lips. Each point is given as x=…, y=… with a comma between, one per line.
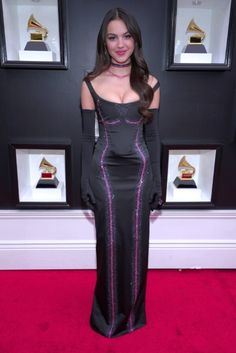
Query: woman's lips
x=120, y=52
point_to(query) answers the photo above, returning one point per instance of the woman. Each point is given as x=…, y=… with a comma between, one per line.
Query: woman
x=120, y=173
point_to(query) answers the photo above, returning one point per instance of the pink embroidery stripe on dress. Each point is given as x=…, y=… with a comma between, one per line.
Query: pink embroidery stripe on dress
x=111, y=230
x=110, y=122
x=134, y=122
x=137, y=225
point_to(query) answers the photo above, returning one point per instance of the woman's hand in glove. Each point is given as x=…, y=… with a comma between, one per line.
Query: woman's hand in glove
x=87, y=195
x=155, y=201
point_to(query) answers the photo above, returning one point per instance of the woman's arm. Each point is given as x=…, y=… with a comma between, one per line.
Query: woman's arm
x=88, y=141
x=87, y=101
x=152, y=139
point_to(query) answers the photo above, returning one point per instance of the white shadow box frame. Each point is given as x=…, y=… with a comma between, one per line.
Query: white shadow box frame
x=14, y=16
x=205, y=160
x=214, y=18
x=26, y=161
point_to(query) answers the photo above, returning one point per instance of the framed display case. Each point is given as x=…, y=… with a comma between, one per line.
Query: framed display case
x=40, y=175
x=190, y=175
x=199, y=35
x=32, y=34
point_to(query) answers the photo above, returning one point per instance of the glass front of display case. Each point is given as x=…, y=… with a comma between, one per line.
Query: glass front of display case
x=200, y=34
x=190, y=175
x=32, y=33
x=40, y=175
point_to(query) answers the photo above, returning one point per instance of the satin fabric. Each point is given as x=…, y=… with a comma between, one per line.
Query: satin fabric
x=121, y=182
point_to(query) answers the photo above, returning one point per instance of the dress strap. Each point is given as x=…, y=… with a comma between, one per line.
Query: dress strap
x=156, y=86
x=90, y=87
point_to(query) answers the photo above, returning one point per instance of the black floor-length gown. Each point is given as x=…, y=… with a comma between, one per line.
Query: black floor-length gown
x=121, y=181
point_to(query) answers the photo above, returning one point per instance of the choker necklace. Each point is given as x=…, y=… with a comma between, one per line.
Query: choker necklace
x=117, y=75
x=120, y=65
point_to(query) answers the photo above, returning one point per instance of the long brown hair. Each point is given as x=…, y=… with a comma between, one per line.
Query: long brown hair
x=139, y=69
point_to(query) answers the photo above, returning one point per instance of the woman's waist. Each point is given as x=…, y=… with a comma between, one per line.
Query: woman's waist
x=134, y=152
x=121, y=145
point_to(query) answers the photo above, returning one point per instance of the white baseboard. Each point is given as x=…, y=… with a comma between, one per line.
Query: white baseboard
x=65, y=239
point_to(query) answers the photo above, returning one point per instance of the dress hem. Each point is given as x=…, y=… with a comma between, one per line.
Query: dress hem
x=118, y=334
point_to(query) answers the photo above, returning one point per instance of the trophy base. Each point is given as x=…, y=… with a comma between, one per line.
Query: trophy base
x=35, y=55
x=195, y=48
x=47, y=183
x=193, y=58
x=36, y=45
x=186, y=184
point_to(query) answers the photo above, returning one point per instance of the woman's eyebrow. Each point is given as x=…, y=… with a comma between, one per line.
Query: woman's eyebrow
x=114, y=34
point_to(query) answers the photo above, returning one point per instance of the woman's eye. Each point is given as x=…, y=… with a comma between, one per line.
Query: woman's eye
x=111, y=38
x=128, y=36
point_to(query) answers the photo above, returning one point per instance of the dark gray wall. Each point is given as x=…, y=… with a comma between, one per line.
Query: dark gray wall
x=197, y=106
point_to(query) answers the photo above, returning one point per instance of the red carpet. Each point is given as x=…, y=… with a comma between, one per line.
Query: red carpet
x=188, y=311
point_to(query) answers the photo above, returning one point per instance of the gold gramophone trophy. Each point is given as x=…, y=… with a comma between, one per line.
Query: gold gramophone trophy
x=195, y=40
x=48, y=177
x=38, y=34
x=187, y=171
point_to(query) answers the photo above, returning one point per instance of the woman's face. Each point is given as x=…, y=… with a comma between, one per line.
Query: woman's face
x=119, y=42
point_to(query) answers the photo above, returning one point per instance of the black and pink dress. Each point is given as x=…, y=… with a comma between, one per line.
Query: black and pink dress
x=121, y=180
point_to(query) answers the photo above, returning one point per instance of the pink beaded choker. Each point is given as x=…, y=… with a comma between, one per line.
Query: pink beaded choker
x=117, y=75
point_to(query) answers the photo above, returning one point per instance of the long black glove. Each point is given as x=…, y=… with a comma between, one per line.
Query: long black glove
x=88, y=142
x=152, y=139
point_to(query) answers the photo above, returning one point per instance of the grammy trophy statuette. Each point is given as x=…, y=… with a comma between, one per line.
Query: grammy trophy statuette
x=187, y=171
x=195, y=41
x=48, y=175
x=38, y=34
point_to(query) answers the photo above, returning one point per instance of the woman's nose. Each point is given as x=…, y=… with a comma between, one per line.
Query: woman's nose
x=120, y=43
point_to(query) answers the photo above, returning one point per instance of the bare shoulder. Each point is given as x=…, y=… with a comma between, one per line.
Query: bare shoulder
x=152, y=80
x=87, y=101
x=99, y=80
